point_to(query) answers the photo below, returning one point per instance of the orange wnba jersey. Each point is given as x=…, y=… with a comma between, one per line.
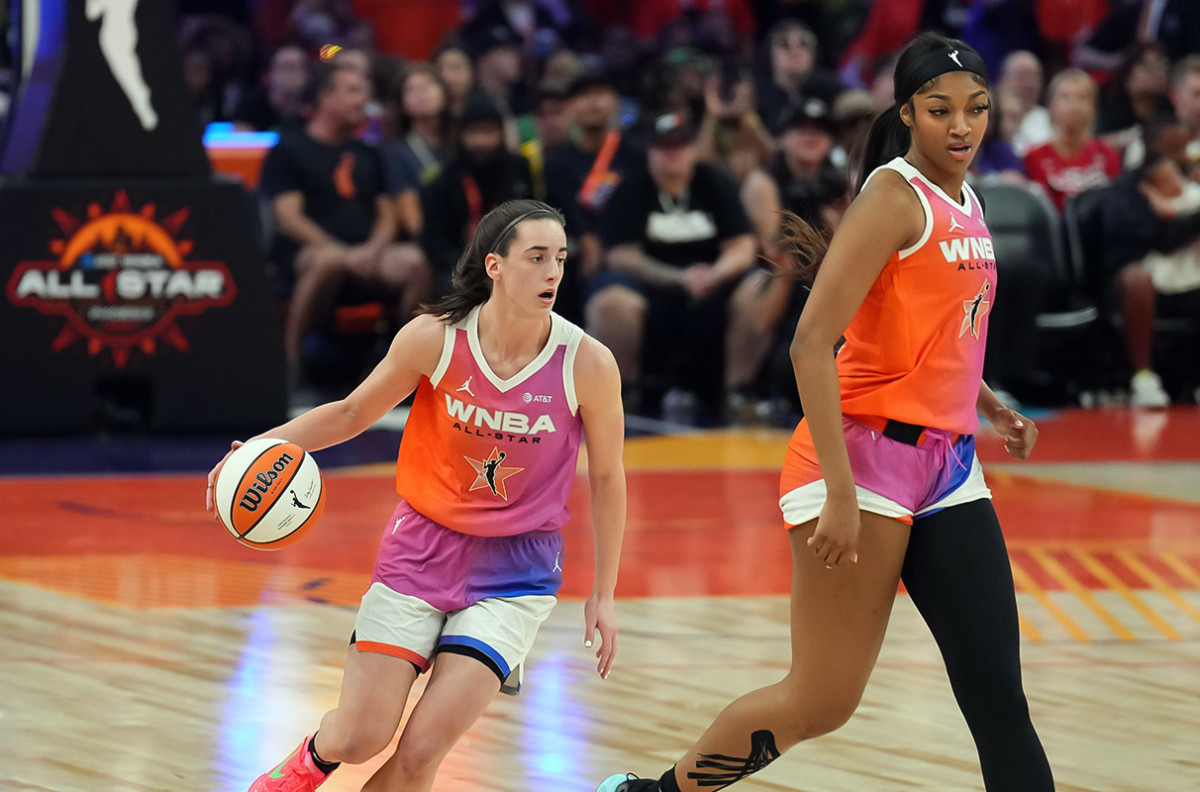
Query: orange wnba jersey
x=914, y=350
x=488, y=456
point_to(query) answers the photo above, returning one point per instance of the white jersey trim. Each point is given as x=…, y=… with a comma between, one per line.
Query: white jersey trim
x=573, y=341
x=907, y=172
x=447, y=353
x=471, y=325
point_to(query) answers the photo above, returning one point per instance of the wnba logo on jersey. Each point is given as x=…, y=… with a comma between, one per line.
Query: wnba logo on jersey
x=120, y=279
x=975, y=309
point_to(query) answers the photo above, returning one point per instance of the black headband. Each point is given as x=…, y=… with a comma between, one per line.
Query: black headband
x=935, y=64
x=549, y=213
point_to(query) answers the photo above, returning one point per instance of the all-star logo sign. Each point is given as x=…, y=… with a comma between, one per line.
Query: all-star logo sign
x=121, y=278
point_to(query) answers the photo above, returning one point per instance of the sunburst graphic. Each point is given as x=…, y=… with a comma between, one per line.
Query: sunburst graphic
x=121, y=277
x=490, y=474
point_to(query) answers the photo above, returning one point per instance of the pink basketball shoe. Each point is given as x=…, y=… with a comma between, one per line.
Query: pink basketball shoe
x=297, y=773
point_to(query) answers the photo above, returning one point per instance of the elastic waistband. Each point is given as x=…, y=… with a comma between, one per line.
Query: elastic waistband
x=901, y=432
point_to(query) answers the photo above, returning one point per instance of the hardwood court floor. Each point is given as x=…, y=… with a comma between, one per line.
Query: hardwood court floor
x=144, y=650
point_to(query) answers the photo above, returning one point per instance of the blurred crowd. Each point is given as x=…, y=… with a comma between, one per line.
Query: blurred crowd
x=671, y=133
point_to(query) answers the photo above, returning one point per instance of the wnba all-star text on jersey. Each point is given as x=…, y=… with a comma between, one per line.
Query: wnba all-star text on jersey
x=512, y=426
x=971, y=253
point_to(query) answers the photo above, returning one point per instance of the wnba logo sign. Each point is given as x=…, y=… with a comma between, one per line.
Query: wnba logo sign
x=120, y=279
x=262, y=482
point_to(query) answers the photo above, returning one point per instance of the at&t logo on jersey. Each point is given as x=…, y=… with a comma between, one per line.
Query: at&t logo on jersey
x=473, y=418
x=120, y=279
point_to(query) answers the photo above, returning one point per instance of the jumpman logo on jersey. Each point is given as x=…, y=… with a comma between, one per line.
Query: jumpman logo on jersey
x=397, y=525
x=975, y=309
x=954, y=57
x=466, y=386
x=557, y=565
x=954, y=224
x=491, y=473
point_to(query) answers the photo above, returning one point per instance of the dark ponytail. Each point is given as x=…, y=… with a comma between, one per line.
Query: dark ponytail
x=889, y=137
x=470, y=284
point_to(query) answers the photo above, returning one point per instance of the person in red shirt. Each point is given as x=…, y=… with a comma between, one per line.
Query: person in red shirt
x=1074, y=159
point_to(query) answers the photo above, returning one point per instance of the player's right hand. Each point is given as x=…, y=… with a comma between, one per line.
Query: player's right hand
x=209, y=503
x=835, y=540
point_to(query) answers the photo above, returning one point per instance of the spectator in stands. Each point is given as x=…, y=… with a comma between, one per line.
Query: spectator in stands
x=1021, y=78
x=321, y=22
x=882, y=82
x=454, y=66
x=996, y=160
x=582, y=174
x=651, y=17
x=551, y=131
x=540, y=26
x=1152, y=247
x=801, y=178
x=480, y=176
x=792, y=72
x=415, y=157
x=498, y=73
x=677, y=242
x=853, y=112
x=997, y=28
x=200, y=83
x=1074, y=159
x=276, y=102
x=732, y=136
x=1137, y=91
x=335, y=222
x=1185, y=98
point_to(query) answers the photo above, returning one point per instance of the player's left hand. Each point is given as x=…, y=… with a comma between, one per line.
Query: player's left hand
x=600, y=613
x=209, y=503
x=1019, y=432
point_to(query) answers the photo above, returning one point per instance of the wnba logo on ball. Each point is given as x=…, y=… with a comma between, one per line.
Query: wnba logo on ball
x=262, y=482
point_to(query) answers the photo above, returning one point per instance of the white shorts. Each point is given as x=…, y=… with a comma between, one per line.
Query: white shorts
x=497, y=631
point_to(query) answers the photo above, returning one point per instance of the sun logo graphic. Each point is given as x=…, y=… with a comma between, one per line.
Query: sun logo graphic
x=490, y=473
x=120, y=278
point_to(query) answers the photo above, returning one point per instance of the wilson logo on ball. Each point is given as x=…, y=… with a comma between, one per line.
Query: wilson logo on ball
x=262, y=482
x=269, y=493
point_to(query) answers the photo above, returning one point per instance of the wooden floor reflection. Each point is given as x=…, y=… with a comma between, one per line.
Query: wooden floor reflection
x=144, y=650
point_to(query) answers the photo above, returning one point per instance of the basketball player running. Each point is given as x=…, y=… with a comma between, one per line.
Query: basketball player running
x=473, y=568
x=881, y=482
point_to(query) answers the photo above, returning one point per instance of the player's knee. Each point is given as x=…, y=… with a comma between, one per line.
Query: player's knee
x=419, y=755
x=360, y=742
x=810, y=716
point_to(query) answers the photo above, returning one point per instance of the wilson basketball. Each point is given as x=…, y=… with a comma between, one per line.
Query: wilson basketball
x=269, y=493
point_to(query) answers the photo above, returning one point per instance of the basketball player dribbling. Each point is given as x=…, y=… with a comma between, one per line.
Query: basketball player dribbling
x=881, y=482
x=469, y=563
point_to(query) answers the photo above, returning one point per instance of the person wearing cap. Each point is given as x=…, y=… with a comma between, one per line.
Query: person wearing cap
x=582, y=174
x=482, y=175
x=801, y=179
x=335, y=224
x=677, y=240
x=880, y=482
